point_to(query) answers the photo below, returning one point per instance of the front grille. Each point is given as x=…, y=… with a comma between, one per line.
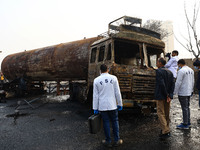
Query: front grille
x=143, y=87
x=137, y=87
x=125, y=82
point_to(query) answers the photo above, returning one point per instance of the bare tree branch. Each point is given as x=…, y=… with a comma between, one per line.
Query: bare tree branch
x=186, y=47
x=184, y=38
x=191, y=29
x=187, y=16
x=197, y=12
x=156, y=25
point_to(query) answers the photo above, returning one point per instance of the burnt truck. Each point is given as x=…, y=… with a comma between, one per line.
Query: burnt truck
x=129, y=51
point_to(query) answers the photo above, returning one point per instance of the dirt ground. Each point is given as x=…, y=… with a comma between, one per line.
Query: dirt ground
x=63, y=125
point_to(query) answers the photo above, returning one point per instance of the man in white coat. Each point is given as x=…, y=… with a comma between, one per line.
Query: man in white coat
x=107, y=99
x=184, y=88
x=172, y=63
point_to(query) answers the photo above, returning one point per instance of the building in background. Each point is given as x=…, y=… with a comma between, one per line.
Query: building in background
x=169, y=40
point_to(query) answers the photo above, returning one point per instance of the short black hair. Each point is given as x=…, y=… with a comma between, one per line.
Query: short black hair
x=181, y=61
x=175, y=51
x=162, y=61
x=103, y=68
x=196, y=63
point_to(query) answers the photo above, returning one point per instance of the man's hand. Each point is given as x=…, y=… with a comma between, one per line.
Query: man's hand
x=168, y=99
x=119, y=108
x=96, y=112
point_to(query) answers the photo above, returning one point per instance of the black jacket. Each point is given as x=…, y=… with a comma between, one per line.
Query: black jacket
x=198, y=81
x=164, y=84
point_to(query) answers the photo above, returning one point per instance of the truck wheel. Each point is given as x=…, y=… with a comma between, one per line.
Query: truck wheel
x=90, y=95
x=79, y=92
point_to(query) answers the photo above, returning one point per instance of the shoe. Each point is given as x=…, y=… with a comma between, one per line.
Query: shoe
x=189, y=125
x=106, y=144
x=182, y=126
x=164, y=136
x=118, y=143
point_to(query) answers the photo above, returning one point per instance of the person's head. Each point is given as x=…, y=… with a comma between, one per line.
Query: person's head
x=161, y=62
x=181, y=63
x=174, y=53
x=103, y=68
x=196, y=64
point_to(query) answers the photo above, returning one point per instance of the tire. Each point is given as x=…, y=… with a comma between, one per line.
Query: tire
x=79, y=92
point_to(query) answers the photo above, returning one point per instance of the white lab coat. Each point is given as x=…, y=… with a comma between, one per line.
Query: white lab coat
x=172, y=65
x=106, y=93
x=185, y=82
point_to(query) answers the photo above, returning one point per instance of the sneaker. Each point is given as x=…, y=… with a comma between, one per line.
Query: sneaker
x=118, y=143
x=164, y=136
x=189, y=125
x=106, y=144
x=182, y=126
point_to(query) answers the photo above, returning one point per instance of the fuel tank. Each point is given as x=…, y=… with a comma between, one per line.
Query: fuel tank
x=65, y=61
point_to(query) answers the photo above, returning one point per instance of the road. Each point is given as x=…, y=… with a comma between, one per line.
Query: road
x=63, y=125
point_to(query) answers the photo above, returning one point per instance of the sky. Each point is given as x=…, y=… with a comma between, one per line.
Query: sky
x=31, y=24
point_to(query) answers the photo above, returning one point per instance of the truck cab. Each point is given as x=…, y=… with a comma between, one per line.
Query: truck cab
x=131, y=53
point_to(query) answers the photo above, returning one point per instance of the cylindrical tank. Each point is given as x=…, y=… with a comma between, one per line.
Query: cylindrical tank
x=65, y=61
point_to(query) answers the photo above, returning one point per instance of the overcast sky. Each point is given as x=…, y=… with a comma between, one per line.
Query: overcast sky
x=30, y=24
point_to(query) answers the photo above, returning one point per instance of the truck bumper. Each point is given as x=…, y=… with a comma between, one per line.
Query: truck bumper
x=131, y=103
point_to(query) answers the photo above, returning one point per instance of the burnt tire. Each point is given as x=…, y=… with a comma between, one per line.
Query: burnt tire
x=79, y=92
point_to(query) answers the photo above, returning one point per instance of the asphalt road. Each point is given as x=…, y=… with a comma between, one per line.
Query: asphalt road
x=63, y=125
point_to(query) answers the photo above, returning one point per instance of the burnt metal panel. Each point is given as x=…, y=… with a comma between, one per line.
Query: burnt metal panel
x=125, y=81
x=133, y=20
x=141, y=30
x=143, y=87
x=135, y=83
x=139, y=37
x=59, y=62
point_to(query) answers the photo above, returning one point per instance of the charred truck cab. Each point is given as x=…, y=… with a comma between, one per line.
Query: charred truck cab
x=130, y=52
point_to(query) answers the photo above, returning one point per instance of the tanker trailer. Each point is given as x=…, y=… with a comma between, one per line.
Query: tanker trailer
x=62, y=62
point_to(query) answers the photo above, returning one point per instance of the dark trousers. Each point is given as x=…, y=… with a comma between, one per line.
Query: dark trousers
x=185, y=105
x=199, y=98
x=112, y=116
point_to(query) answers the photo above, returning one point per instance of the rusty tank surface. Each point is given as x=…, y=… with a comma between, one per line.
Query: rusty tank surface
x=65, y=61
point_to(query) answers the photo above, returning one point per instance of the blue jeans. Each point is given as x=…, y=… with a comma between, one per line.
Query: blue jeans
x=185, y=105
x=112, y=116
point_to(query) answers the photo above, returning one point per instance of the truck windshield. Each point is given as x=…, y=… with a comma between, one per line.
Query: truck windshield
x=127, y=53
x=153, y=54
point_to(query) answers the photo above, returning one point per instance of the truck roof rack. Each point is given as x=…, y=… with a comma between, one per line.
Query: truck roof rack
x=125, y=20
x=114, y=26
x=127, y=23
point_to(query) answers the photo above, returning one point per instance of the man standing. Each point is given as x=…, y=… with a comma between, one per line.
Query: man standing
x=184, y=88
x=163, y=93
x=196, y=65
x=105, y=93
x=172, y=63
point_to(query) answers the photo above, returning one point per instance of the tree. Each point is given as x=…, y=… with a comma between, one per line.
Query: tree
x=156, y=25
x=192, y=41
